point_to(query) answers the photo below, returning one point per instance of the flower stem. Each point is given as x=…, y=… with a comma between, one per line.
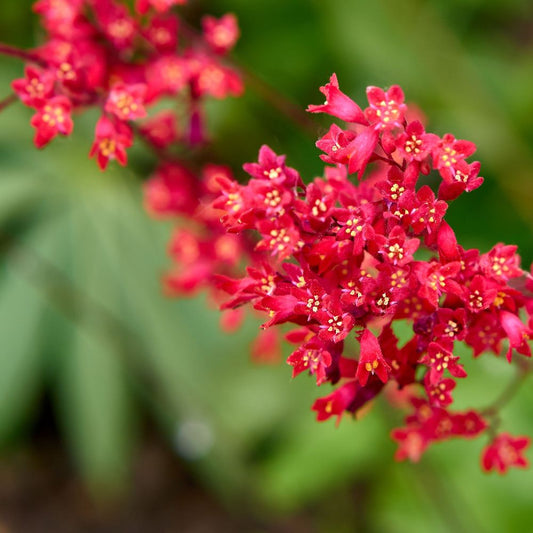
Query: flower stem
x=13, y=51
x=7, y=101
x=279, y=101
x=523, y=371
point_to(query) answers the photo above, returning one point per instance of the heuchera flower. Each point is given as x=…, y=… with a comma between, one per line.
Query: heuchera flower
x=104, y=54
x=222, y=34
x=52, y=117
x=342, y=263
x=111, y=140
x=505, y=452
x=35, y=88
x=126, y=102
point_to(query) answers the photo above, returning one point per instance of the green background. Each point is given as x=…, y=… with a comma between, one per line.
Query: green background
x=85, y=331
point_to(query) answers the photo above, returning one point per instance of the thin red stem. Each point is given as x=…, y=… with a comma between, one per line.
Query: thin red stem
x=19, y=53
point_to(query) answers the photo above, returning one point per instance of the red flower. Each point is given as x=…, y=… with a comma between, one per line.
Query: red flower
x=501, y=263
x=415, y=144
x=266, y=347
x=111, y=141
x=518, y=334
x=221, y=34
x=439, y=391
x=272, y=167
x=333, y=143
x=450, y=152
x=161, y=129
x=413, y=443
x=386, y=109
x=359, y=151
x=440, y=359
x=52, y=117
x=505, y=452
x=36, y=87
x=170, y=191
x=162, y=32
x=338, y=104
x=126, y=102
x=311, y=356
x=335, y=403
x=371, y=360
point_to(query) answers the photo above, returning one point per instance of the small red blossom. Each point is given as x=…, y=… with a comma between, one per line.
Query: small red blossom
x=461, y=177
x=162, y=32
x=517, y=332
x=272, y=167
x=501, y=263
x=338, y=104
x=52, y=117
x=36, y=87
x=266, y=348
x=161, y=129
x=221, y=34
x=450, y=152
x=412, y=443
x=167, y=75
x=170, y=191
x=335, y=403
x=311, y=356
x=371, y=359
x=439, y=392
x=111, y=141
x=126, y=102
x=386, y=108
x=505, y=452
x=440, y=359
x=415, y=144
x=333, y=143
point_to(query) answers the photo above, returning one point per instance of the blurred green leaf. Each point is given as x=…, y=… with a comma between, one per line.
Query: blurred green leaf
x=20, y=363
x=96, y=413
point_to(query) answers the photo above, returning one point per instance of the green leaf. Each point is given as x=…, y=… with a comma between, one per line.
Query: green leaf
x=20, y=363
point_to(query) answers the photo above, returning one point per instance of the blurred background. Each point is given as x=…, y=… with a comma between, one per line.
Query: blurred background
x=121, y=410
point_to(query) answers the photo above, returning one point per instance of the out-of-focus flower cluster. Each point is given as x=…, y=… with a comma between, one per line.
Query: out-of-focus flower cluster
x=349, y=261
x=98, y=53
x=201, y=248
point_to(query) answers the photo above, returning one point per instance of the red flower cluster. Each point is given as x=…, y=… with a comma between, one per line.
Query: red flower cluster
x=98, y=53
x=200, y=248
x=343, y=264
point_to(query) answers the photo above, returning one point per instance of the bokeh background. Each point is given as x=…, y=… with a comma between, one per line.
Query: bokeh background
x=121, y=410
